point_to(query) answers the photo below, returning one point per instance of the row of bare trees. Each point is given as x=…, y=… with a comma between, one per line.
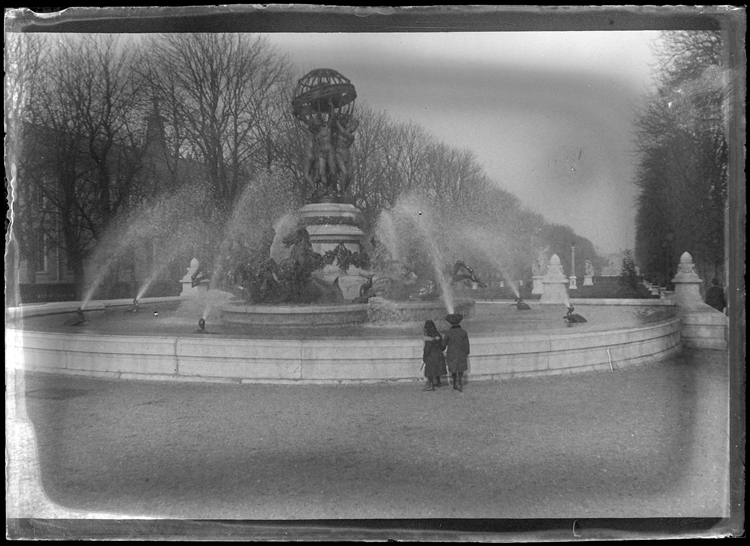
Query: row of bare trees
x=100, y=125
x=682, y=175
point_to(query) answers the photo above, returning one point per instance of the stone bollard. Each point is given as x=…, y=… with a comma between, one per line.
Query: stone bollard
x=702, y=325
x=687, y=282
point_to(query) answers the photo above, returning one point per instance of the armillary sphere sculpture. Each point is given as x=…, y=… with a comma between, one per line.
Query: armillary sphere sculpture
x=323, y=103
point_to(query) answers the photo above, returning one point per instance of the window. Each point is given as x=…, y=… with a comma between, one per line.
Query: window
x=40, y=253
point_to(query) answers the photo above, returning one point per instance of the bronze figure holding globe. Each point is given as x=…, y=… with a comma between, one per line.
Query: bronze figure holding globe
x=323, y=103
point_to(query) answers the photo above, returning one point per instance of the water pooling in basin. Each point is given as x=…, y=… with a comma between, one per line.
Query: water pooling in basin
x=490, y=319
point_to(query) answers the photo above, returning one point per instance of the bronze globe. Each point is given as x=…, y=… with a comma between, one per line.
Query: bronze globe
x=322, y=91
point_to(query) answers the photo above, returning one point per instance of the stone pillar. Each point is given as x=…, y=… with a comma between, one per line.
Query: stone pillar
x=573, y=278
x=188, y=290
x=555, y=283
x=687, y=282
x=588, y=280
x=702, y=325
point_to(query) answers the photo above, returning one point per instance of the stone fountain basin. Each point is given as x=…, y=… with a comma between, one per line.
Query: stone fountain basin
x=237, y=312
x=505, y=343
x=293, y=315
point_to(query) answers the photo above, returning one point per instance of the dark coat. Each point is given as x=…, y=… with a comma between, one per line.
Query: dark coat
x=432, y=356
x=456, y=340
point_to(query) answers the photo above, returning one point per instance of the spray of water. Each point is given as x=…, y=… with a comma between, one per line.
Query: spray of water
x=492, y=249
x=283, y=227
x=385, y=233
x=421, y=219
x=152, y=278
x=167, y=219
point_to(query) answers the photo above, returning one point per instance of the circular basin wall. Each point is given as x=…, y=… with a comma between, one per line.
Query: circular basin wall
x=504, y=343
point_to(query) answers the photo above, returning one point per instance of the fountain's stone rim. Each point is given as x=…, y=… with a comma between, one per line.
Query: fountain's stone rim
x=291, y=308
x=330, y=209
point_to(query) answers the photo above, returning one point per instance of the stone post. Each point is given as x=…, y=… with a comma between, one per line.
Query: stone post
x=702, y=325
x=687, y=282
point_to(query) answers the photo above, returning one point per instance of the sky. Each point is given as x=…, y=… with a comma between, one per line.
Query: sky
x=549, y=115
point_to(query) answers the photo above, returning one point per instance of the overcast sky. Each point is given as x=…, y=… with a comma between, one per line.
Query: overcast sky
x=548, y=114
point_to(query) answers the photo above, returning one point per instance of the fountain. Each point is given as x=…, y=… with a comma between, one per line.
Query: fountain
x=315, y=307
x=326, y=278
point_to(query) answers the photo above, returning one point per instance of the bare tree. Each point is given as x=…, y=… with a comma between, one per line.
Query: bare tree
x=682, y=173
x=215, y=91
x=24, y=64
x=88, y=128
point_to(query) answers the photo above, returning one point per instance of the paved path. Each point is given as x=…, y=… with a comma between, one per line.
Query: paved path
x=639, y=442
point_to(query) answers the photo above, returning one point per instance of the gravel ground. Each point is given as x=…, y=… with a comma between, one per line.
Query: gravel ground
x=649, y=441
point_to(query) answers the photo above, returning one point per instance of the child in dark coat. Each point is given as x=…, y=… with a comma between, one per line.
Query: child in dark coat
x=456, y=340
x=432, y=356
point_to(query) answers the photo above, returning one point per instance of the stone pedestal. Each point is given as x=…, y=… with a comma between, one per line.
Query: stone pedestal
x=588, y=280
x=330, y=224
x=188, y=290
x=555, y=283
x=573, y=283
x=687, y=282
x=537, y=284
x=702, y=325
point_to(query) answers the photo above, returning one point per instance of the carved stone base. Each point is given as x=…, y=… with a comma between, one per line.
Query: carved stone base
x=330, y=224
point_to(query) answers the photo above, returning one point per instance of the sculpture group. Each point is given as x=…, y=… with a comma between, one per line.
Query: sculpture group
x=323, y=104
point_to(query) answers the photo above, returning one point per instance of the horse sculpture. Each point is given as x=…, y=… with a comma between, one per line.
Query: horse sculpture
x=462, y=272
x=571, y=317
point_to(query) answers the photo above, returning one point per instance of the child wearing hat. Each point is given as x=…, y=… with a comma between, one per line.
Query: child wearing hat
x=456, y=341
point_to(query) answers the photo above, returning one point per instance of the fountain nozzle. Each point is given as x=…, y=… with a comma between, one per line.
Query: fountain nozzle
x=202, y=324
x=134, y=307
x=79, y=312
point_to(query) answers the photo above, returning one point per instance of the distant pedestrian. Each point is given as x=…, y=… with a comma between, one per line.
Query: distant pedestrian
x=456, y=340
x=715, y=296
x=432, y=356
